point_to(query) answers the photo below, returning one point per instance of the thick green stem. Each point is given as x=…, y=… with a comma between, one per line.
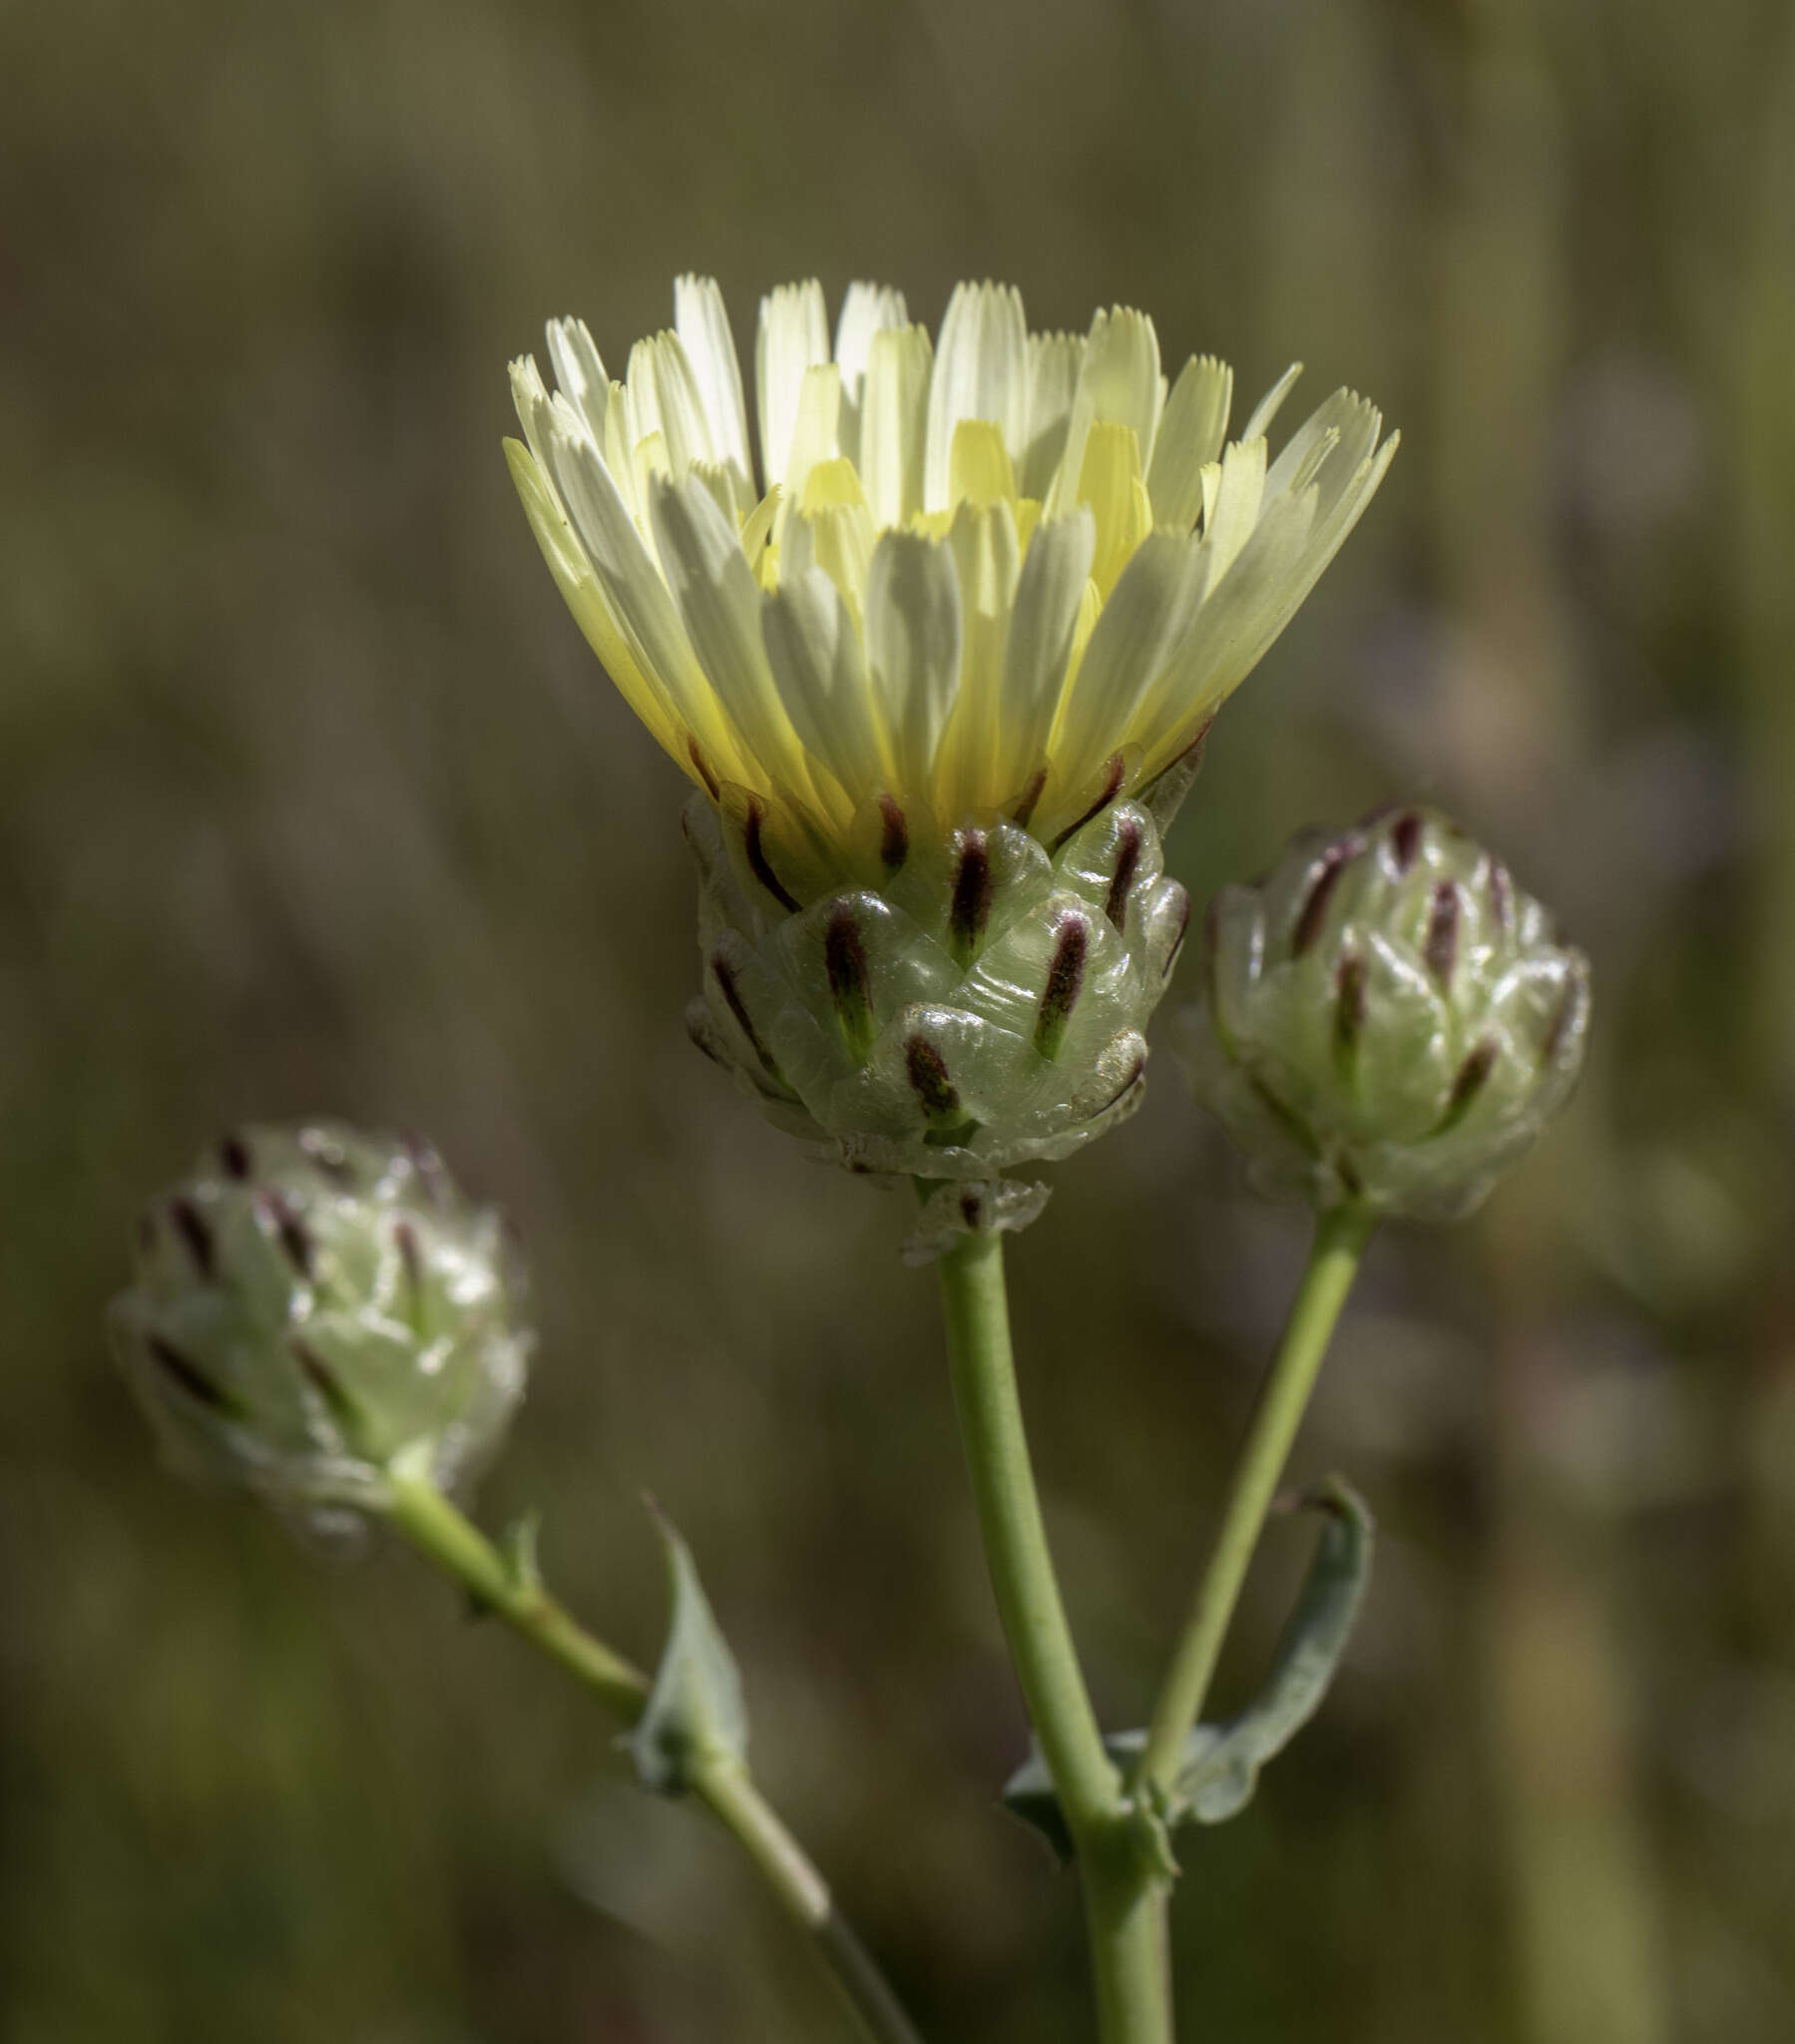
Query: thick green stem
x=1130, y=1963
x=1124, y=1896
x=444, y=1536
x=1340, y=1239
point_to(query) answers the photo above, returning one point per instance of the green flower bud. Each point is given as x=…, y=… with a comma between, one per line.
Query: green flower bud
x=1386, y=1018
x=314, y=1306
x=981, y=1003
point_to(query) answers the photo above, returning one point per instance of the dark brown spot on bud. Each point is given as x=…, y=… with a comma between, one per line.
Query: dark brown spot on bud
x=1064, y=982
x=729, y=987
x=1137, y=1065
x=926, y=1069
x=972, y=1210
x=1030, y=794
x=1128, y=862
x=328, y=1155
x=1177, y=943
x=1321, y=889
x=1405, y=839
x=1440, y=947
x=850, y=982
x=290, y=1232
x=755, y=850
x=1350, y=1008
x=411, y=1256
x=1113, y=775
x=189, y=1375
x=338, y=1400
x=1473, y=1076
x=195, y=1230
x=1285, y=1116
x=701, y=767
x=970, y=909
x=894, y=834
x=233, y=1155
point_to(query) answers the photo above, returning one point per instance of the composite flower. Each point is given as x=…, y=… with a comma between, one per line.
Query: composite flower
x=951, y=644
x=969, y=575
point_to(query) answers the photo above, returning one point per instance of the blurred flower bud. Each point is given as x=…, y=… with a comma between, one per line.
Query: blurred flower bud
x=314, y=1306
x=1386, y=1019
x=982, y=1006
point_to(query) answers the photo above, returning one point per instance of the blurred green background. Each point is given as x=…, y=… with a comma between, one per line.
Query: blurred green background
x=315, y=801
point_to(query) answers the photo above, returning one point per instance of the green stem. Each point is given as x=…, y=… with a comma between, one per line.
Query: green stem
x=1340, y=1239
x=443, y=1535
x=732, y=1797
x=1124, y=1897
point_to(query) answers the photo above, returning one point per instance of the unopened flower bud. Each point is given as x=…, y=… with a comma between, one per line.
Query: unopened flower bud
x=1386, y=1019
x=315, y=1306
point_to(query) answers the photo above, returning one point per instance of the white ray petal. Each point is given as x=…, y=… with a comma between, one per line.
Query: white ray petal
x=719, y=606
x=1234, y=508
x=530, y=397
x=703, y=325
x=617, y=449
x=831, y=529
x=1330, y=444
x=1146, y=617
x=893, y=422
x=793, y=336
x=1192, y=430
x=980, y=372
x=1118, y=384
x=813, y=647
x=1055, y=360
x=1271, y=403
x=816, y=428
x=913, y=647
x=1237, y=623
x=670, y=400
x=572, y=572
x=637, y=596
x=987, y=563
x=579, y=372
x=1054, y=574
x=866, y=310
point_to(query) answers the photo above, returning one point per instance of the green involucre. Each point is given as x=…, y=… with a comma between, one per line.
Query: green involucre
x=982, y=1004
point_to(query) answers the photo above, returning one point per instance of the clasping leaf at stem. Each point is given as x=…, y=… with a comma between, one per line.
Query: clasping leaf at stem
x=1219, y=1767
x=695, y=1718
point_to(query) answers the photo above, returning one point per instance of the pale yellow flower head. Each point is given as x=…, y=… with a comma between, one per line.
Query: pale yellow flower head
x=1004, y=574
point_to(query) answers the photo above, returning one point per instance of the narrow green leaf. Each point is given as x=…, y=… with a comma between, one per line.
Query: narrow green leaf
x=1221, y=1766
x=694, y=1715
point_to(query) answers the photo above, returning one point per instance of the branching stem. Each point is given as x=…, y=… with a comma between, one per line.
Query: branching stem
x=445, y=1537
